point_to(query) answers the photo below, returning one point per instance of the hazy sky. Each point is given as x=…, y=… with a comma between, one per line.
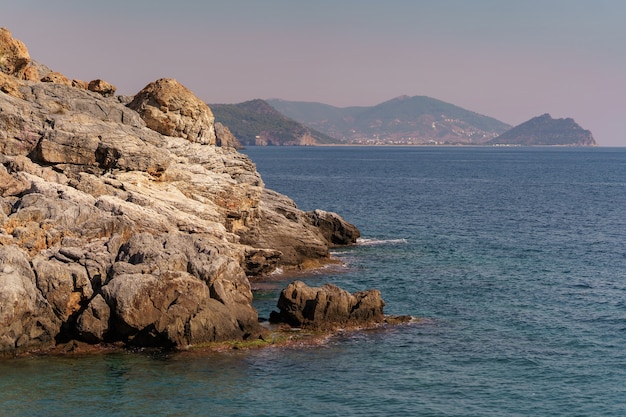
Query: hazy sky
x=511, y=60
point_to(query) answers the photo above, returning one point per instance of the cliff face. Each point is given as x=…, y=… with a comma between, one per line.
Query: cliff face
x=127, y=223
x=544, y=130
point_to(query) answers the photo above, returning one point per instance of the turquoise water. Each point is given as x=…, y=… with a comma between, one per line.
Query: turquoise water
x=514, y=257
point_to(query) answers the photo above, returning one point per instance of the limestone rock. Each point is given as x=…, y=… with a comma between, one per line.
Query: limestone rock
x=12, y=185
x=165, y=311
x=225, y=138
x=9, y=85
x=171, y=109
x=56, y=78
x=31, y=73
x=281, y=226
x=337, y=231
x=83, y=85
x=39, y=68
x=14, y=56
x=111, y=231
x=93, y=323
x=261, y=262
x=327, y=306
x=102, y=87
x=27, y=319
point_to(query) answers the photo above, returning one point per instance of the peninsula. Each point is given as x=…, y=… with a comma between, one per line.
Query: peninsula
x=133, y=220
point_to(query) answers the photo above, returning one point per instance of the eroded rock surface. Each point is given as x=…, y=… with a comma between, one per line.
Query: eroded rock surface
x=132, y=226
x=327, y=306
x=14, y=56
x=171, y=109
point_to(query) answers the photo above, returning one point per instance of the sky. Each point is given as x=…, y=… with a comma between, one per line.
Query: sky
x=511, y=60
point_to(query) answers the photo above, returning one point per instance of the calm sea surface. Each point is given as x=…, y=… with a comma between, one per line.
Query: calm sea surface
x=515, y=258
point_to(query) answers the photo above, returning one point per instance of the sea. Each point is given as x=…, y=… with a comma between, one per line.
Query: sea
x=512, y=262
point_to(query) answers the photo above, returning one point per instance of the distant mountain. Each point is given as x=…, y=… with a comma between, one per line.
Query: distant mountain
x=255, y=122
x=544, y=130
x=403, y=120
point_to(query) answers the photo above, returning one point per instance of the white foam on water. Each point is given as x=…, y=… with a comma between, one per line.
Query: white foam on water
x=377, y=242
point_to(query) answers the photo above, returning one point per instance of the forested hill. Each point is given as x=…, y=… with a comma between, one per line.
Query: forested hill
x=402, y=120
x=544, y=130
x=255, y=122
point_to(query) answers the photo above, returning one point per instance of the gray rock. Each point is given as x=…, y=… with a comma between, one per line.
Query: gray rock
x=111, y=230
x=327, y=307
x=93, y=324
x=335, y=229
x=65, y=285
x=225, y=138
x=101, y=87
x=172, y=309
x=28, y=321
x=282, y=226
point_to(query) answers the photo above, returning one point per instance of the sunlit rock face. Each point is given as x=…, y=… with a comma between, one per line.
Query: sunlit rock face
x=127, y=224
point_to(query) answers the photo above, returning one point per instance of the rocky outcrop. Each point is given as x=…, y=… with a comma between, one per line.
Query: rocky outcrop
x=297, y=235
x=334, y=229
x=225, y=138
x=111, y=230
x=99, y=86
x=171, y=109
x=14, y=56
x=56, y=78
x=26, y=316
x=327, y=307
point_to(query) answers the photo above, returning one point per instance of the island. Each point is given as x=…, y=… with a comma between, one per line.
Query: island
x=545, y=131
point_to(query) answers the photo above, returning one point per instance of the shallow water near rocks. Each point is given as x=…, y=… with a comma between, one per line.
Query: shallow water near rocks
x=514, y=257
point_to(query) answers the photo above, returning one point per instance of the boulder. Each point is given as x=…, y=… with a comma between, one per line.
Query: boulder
x=14, y=56
x=56, y=78
x=261, y=262
x=102, y=87
x=327, y=307
x=172, y=309
x=171, y=109
x=83, y=85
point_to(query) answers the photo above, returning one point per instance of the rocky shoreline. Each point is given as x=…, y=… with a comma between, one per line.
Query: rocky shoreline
x=133, y=221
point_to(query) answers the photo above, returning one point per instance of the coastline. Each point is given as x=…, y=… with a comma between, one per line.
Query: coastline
x=279, y=336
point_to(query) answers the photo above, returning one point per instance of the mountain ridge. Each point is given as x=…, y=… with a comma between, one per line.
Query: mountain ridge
x=401, y=120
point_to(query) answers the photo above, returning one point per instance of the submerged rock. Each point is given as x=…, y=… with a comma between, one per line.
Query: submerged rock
x=327, y=307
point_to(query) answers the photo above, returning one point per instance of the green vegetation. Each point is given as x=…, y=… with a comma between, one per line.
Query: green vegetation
x=256, y=122
x=546, y=131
